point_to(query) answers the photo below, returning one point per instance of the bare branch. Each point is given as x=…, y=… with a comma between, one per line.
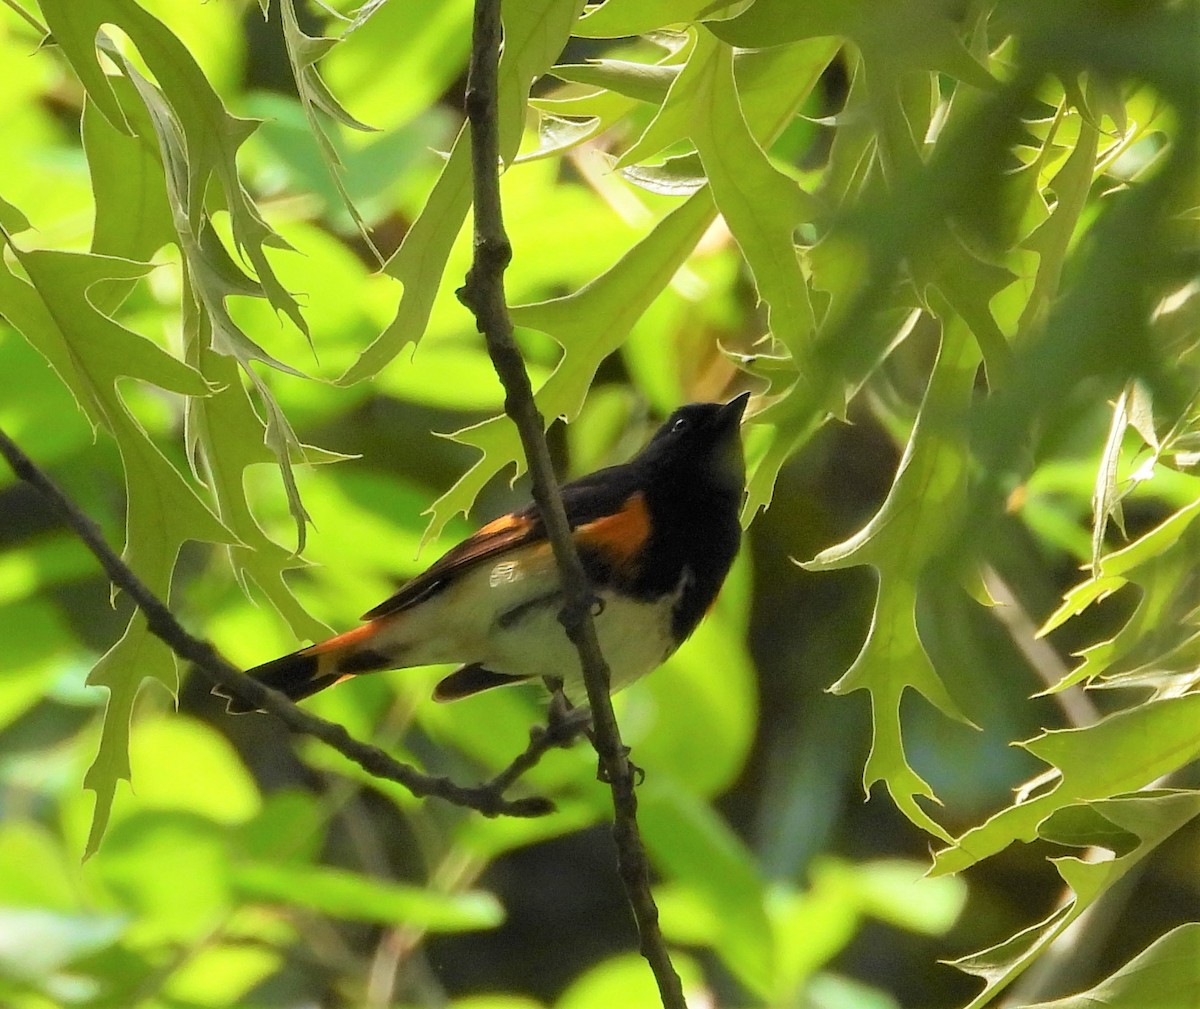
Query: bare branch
x=484, y=295
x=487, y=799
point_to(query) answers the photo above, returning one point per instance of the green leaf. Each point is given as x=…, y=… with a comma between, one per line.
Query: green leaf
x=679, y=176
x=645, y=82
x=1160, y=564
x=1165, y=975
x=1082, y=826
x=91, y=352
x=210, y=272
x=894, y=37
x=762, y=206
x=904, y=538
x=35, y=872
x=228, y=437
x=488, y=839
x=1052, y=238
x=183, y=764
x=534, y=35
x=206, y=136
x=475, y=385
x=619, y=18
x=304, y=51
x=222, y=974
x=1106, y=501
x=348, y=895
x=1139, y=746
x=811, y=927
x=567, y=122
x=287, y=828
x=692, y=845
x=168, y=869
x=396, y=60
x=590, y=324
x=133, y=216
x=624, y=980
x=1152, y=817
x=901, y=894
x=12, y=220
x=137, y=656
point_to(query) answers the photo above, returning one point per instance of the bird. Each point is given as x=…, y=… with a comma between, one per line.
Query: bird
x=657, y=536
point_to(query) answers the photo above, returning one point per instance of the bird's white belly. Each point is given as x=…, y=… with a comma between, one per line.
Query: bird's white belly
x=635, y=637
x=505, y=617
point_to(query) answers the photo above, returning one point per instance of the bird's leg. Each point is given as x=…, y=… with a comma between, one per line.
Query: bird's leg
x=638, y=773
x=564, y=721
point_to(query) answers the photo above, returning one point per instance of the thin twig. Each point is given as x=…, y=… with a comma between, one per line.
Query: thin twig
x=484, y=295
x=563, y=725
x=1038, y=652
x=203, y=656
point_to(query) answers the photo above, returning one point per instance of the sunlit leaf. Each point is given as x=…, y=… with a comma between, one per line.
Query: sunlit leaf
x=1160, y=566
x=911, y=35
x=592, y=322
x=623, y=980
x=211, y=135
x=1140, y=745
x=304, y=51
x=534, y=35
x=693, y=846
x=901, y=541
x=647, y=82
x=1152, y=817
x=762, y=206
x=634, y=17
x=359, y=898
x=1165, y=975
x=204, y=775
x=169, y=870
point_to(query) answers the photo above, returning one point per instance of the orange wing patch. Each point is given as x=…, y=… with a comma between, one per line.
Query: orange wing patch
x=352, y=637
x=503, y=523
x=497, y=537
x=621, y=535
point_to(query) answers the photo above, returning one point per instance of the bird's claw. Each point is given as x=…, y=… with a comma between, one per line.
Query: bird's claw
x=636, y=774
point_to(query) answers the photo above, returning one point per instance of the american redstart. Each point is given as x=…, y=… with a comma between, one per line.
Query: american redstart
x=656, y=535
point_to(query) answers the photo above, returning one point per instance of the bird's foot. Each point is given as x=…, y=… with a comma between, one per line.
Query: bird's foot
x=636, y=774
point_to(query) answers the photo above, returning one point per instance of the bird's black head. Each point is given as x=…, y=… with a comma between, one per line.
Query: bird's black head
x=701, y=443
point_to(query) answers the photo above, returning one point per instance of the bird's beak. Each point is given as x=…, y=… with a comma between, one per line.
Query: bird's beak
x=730, y=415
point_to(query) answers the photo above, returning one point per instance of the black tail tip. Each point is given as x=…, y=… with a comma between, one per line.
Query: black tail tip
x=296, y=676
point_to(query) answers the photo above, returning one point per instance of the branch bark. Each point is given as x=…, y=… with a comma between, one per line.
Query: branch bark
x=487, y=799
x=484, y=295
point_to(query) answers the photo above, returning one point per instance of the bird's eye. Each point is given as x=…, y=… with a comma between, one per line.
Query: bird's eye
x=680, y=425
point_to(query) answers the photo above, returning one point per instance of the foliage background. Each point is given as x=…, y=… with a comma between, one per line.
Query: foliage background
x=973, y=244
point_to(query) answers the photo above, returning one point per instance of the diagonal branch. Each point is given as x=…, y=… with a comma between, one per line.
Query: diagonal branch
x=487, y=799
x=484, y=295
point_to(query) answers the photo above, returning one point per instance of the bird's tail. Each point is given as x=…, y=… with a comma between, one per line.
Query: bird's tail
x=309, y=670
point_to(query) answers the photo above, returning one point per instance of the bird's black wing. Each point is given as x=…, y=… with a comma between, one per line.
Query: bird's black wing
x=603, y=508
